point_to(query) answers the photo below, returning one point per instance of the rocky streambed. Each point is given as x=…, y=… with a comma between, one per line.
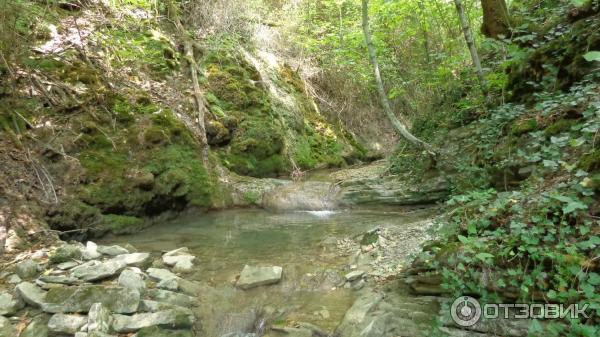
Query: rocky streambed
x=336, y=284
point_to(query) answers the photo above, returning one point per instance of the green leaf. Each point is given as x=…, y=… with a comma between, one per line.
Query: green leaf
x=463, y=239
x=592, y=56
x=484, y=256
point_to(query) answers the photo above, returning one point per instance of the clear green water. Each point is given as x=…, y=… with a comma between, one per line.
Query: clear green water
x=302, y=243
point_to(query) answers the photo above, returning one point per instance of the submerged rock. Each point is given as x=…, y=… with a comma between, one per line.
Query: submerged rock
x=253, y=276
x=155, y=331
x=173, y=318
x=159, y=274
x=180, y=263
x=170, y=297
x=80, y=299
x=66, y=324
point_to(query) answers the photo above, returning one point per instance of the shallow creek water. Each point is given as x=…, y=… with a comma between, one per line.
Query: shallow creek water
x=303, y=243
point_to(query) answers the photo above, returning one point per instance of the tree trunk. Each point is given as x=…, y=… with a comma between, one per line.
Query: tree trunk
x=201, y=106
x=466, y=27
x=387, y=108
x=496, y=20
x=425, y=30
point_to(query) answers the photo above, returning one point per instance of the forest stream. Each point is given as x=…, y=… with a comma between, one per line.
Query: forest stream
x=314, y=248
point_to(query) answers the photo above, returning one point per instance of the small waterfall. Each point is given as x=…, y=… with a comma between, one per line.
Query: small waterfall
x=315, y=196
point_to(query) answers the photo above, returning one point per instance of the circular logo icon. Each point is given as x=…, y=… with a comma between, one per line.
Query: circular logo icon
x=465, y=311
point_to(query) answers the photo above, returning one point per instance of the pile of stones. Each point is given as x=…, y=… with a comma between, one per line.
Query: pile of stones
x=98, y=291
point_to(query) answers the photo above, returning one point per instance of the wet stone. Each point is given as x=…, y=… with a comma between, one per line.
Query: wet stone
x=253, y=276
x=170, y=297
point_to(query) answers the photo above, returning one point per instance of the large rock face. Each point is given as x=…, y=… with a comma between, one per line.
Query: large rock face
x=392, y=191
x=258, y=276
x=80, y=299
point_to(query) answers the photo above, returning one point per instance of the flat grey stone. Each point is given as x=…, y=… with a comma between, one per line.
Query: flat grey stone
x=67, y=265
x=66, y=324
x=169, y=284
x=9, y=304
x=94, y=270
x=13, y=279
x=170, y=297
x=60, y=279
x=112, y=250
x=80, y=299
x=99, y=318
x=27, y=269
x=353, y=275
x=253, y=276
x=6, y=329
x=173, y=319
x=31, y=294
x=134, y=259
x=159, y=274
x=178, y=251
x=180, y=263
x=132, y=280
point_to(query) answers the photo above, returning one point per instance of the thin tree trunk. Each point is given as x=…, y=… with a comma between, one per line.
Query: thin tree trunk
x=387, y=108
x=425, y=31
x=496, y=20
x=198, y=98
x=201, y=106
x=466, y=27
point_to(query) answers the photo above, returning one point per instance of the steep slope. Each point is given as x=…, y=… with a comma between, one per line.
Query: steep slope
x=97, y=118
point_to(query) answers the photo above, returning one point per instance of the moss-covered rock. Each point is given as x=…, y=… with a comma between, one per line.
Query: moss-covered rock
x=590, y=162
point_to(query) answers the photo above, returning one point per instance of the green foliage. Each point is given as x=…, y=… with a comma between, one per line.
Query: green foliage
x=537, y=242
x=142, y=47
